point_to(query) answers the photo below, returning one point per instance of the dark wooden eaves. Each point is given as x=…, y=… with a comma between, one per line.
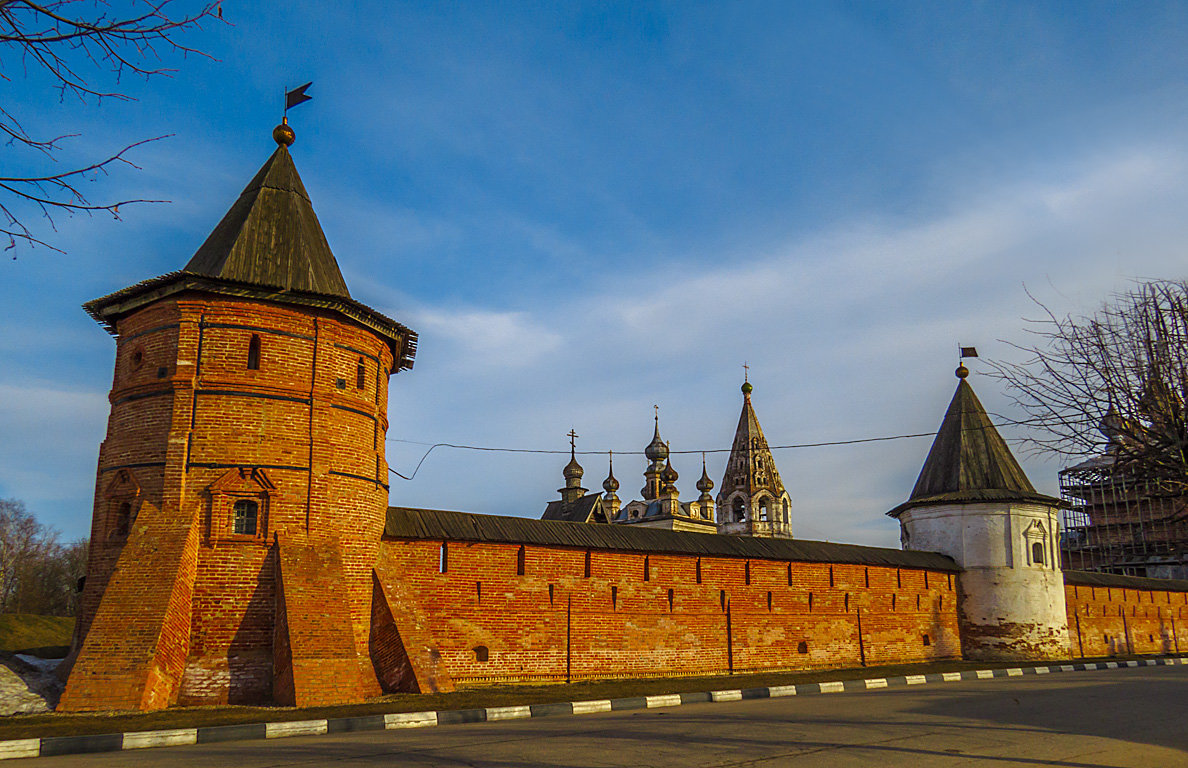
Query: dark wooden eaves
x=439, y=525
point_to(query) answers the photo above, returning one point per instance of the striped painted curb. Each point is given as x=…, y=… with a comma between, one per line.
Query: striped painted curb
x=112, y=742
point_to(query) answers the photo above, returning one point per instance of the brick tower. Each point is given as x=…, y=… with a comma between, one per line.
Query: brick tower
x=242, y=484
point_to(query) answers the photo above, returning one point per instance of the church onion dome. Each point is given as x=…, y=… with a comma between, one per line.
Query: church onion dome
x=669, y=475
x=573, y=470
x=747, y=388
x=656, y=450
x=705, y=485
x=610, y=484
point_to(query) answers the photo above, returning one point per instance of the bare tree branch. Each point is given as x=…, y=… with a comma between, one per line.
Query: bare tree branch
x=74, y=41
x=1114, y=383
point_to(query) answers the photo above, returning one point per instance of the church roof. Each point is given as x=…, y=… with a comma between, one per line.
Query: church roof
x=970, y=462
x=271, y=236
x=587, y=509
x=268, y=246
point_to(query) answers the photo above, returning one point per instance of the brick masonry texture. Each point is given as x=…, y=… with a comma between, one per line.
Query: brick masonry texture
x=1108, y=621
x=483, y=623
x=313, y=605
x=186, y=606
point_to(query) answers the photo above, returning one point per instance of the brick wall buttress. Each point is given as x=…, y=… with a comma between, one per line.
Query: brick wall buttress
x=135, y=652
x=324, y=667
x=410, y=627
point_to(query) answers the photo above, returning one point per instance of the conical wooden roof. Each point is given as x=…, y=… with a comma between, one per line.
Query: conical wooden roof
x=969, y=461
x=268, y=246
x=271, y=236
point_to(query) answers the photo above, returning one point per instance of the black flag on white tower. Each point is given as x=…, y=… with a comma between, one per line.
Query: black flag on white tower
x=297, y=96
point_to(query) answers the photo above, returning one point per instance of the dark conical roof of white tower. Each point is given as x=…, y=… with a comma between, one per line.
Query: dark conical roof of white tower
x=969, y=461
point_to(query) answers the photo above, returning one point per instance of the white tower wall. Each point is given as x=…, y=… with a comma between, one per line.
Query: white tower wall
x=1011, y=589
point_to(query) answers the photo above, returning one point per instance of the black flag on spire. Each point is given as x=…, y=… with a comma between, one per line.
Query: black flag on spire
x=297, y=96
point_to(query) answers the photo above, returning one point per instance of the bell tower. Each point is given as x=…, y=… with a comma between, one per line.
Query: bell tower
x=242, y=484
x=752, y=500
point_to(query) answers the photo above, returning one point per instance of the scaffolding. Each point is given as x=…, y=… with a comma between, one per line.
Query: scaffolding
x=1121, y=524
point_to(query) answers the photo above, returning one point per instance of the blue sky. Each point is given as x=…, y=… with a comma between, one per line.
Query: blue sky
x=588, y=209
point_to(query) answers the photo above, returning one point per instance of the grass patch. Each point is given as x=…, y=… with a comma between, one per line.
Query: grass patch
x=75, y=724
x=19, y=631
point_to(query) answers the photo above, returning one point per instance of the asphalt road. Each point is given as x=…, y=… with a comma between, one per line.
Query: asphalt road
x=1122, y=717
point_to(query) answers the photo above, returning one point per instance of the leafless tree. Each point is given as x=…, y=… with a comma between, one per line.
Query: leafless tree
x=1114, y=382
x=48, y=584
x=37, y=573
x=86, y=48
x=23, y=540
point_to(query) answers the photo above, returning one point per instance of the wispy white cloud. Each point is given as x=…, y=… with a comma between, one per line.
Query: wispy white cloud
x=850, y=333
x=483, y=339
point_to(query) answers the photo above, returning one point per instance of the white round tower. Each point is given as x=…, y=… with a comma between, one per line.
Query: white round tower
x=974, y=503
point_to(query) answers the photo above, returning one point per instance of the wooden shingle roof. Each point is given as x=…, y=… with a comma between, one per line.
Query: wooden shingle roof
x=970, y=462
x=268, y=246
x=1092, y=579
x=271, y=236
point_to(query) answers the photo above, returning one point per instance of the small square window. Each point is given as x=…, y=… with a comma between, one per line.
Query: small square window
x=245, y=515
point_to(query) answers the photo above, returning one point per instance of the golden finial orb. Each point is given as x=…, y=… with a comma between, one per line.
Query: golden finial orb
x=283, y=133
x=961, y=371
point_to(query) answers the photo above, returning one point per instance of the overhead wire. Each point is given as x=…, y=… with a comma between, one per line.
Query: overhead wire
x=558, y=451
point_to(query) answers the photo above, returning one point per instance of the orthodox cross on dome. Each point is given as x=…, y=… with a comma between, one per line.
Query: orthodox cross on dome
x=573, y=436
x=746, y=371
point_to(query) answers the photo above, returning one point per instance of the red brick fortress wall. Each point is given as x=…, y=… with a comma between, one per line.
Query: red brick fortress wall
x=578, y=614
x=1117, y=621
x=196, y=427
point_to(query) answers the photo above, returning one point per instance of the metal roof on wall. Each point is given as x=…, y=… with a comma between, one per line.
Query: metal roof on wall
x=1093, y=579
x=408, y=523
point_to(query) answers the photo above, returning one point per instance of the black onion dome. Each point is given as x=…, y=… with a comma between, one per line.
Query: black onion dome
x=657, y=450
x=705, y=485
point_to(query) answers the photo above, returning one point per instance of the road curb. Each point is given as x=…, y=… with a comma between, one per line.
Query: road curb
x=115, y=742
